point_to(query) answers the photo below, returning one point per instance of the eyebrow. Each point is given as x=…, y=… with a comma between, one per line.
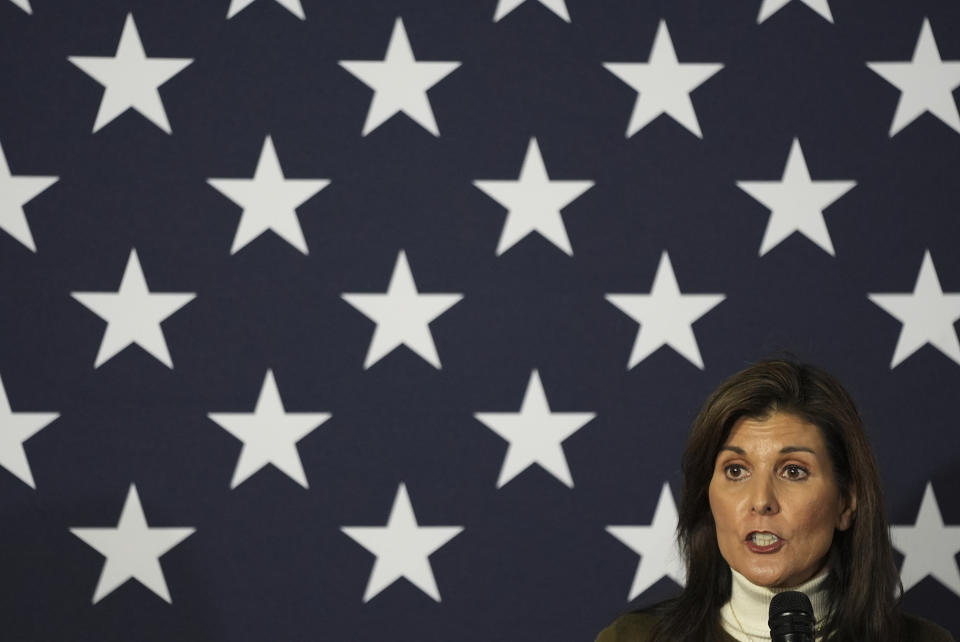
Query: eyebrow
x=783, y=451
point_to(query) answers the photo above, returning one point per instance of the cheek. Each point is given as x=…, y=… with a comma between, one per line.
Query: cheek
x=723, y=507
x=818, y=519
x=724, y=511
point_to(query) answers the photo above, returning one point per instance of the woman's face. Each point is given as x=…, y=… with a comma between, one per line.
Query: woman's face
x=775, y=501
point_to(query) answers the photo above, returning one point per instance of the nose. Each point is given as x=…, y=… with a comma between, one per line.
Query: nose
x=764, y=498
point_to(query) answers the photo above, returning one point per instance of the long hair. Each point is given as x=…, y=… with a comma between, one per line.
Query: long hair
x=863, y=583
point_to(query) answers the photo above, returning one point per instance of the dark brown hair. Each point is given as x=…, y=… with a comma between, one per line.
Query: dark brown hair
x=863, y=582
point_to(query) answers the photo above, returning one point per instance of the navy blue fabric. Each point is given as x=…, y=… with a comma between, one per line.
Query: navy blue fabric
x=268, y=560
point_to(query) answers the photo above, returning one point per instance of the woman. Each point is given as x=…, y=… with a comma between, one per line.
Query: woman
x=780, y=492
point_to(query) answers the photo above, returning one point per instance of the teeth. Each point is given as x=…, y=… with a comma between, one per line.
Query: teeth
x=764, y=539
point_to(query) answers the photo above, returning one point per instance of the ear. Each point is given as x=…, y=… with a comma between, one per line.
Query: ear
x=848, y=510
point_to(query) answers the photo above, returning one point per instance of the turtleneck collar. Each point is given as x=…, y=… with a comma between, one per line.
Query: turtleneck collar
x=749, y=605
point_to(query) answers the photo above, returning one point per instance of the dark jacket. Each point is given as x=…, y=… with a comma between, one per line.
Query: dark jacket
x=636, y=627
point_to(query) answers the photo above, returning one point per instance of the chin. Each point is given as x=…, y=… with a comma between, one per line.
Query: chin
x=763, y=575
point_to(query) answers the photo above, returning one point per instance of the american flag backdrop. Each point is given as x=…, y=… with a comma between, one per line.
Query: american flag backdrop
x=385, y=320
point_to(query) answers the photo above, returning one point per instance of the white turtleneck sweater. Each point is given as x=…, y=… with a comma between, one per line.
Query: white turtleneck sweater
x=749, y=606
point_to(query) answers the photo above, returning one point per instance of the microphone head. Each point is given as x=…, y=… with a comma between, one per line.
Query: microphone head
x=790, y=601
x=791, y=617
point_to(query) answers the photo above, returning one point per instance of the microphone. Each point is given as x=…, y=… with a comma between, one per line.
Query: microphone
x=791, y=618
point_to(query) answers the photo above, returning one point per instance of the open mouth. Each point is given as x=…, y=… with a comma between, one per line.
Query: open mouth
x=763, y=539
x=764, y=542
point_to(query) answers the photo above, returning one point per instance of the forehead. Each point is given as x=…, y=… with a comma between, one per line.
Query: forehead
x=778, y=430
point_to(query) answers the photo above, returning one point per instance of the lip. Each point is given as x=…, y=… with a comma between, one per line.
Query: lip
x=772, y=548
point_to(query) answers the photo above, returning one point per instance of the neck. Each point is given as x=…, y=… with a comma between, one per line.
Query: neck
x=744, y=617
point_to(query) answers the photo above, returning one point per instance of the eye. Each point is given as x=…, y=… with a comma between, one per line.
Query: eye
x=795, y=472
x=734, y=471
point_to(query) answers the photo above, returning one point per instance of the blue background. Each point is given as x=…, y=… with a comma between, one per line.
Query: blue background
x=268, y=560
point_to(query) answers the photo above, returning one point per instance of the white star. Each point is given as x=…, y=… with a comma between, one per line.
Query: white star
x=535, y=434
x=926, y=82
x=796, y=202
x=665, y=316
x=269, y=434
x=15, y=192
x=402, y=315
x=504, y=7
x=927, y=315
x=663, y=84
x=293, y=6
x=130, y=79
x=929, y=547
x=402, y=548
x=133, y=314
x=656, y=544
x=23, y=4
x=16, y=428
x=132, y=549
x=269, y=200
x=770, y=7
x=399, y=82
x=533, y=202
